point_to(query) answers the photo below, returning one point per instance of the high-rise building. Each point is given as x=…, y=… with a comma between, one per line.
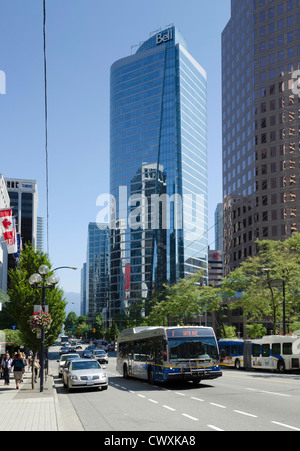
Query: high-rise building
x=24, y=203
x=260, y=54
x=83, y=309
x=97, y=269
x=40, y=234
x=219, y=227
x=158, y=169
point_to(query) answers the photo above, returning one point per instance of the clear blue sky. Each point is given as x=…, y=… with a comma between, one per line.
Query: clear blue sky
x=84, y=37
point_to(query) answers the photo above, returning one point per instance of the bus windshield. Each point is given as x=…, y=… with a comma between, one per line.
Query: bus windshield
x=188, y=348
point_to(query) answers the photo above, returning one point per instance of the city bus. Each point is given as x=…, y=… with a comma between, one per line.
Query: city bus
x=273, y=352
x=162, y=354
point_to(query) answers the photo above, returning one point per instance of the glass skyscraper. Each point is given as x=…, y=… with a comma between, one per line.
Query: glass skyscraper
x=97, y=269
x=158, y=168
x=261, y=134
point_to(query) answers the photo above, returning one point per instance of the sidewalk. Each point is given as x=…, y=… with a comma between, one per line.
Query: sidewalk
x=28, y=409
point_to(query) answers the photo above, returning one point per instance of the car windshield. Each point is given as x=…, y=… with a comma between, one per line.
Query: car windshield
x=85, y=365
x=193, y=348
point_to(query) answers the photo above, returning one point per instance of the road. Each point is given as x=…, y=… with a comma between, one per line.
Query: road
x=239, y=401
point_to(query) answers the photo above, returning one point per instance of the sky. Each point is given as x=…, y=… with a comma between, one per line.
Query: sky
x=84, y=38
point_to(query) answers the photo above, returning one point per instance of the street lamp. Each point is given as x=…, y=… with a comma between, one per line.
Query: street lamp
x=268, y=270
x=39, y=281
x=35, y=280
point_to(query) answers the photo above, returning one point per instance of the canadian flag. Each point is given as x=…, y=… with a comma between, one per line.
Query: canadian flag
x=6, y=223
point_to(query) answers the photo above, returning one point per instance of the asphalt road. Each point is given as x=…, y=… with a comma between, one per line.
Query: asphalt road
x=239, y=401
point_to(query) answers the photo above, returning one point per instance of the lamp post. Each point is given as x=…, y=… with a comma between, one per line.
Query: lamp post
x=35, y=280
x=39, y=281
x=268, y=270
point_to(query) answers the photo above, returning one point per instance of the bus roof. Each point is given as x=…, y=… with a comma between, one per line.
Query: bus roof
x=155, y=331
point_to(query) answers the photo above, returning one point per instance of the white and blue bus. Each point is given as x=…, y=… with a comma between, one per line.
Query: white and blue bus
x=162, y=354
x=273, y=352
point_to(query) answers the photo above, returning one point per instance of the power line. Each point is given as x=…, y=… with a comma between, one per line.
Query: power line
x=46, y=122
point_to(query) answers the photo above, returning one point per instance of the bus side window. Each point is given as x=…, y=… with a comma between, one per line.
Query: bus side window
x=256, y=350
x=234, y=349
x=276, y=349
x=287, y=348
x=266, y=350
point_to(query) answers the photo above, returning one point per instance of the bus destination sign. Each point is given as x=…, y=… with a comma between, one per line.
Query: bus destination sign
x=189, y=332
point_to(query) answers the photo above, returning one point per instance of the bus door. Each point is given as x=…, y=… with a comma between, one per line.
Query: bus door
x=159, y=359
x=247, y=354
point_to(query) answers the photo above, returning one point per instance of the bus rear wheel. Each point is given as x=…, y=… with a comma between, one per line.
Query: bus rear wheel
x=150, y=375
x=125, y=372
x=281, y=366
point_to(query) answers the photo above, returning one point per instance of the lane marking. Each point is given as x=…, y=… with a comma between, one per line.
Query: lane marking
x=169, y=408
x=189, y=417
x=286, y=426
x=215, y=428
x=197, y=399
x=245, y=413
x=152, y=400
x=141, y=396
x=217, y=405
x=269, y=392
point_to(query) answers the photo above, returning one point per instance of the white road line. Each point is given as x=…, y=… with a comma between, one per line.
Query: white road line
x=189, y=417
x=215, y=428
x=181, y=394
x=217, y=405
x=141, y=396
x=152, y=400
x=130, y=391
x=286, y=426
x=197, y=399
x=269, y=392
x=245, y=413
x=169, y=408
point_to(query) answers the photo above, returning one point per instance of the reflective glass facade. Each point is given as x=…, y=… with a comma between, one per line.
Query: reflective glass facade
x=158, y=170
x=261, y=135
x=97, y=269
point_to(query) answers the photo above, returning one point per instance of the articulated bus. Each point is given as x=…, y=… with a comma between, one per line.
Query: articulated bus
x=274, y=352
x=161, y=354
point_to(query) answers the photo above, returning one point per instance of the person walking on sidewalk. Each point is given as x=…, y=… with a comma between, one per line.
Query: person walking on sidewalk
x=6, y=365
x=18, y=365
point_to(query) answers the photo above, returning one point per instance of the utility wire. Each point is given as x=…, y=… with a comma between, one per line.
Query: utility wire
x=46, y=124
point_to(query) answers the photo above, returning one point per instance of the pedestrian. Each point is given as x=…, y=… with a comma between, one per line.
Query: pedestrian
x=18, y=365
x=23, y=357
x=36, y=367
x=6, y=365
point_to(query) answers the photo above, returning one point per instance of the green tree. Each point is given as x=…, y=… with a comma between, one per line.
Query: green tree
x=71, y=321
x=23, y=297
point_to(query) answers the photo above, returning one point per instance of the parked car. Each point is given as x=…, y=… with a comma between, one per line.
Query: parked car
x=63, y=360
x=81, y=373
x=64, y=350
x=100, y=355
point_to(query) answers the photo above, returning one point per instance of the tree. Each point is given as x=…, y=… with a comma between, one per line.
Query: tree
x=23, y=297
x=71, y=322
x=263, y=284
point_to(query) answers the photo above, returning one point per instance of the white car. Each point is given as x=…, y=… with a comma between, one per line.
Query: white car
x=63, y=359
x=84, y=373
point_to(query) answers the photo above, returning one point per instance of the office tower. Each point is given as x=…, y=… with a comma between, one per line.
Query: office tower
x=219, y=227
x=4, y=203
x=24, y=203
x=83, y=309
x=97, y=271
x=260, y=54
x=40, y=234
x=158, y=169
